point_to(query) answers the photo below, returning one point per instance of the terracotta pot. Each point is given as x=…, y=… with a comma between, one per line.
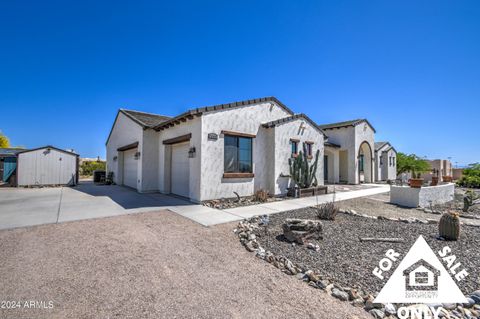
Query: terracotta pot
x=447, y=179
x=416, y=182
x=434, y=181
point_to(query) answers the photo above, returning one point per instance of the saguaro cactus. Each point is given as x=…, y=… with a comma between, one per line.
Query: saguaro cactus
x=449, y=226
x=301, y=171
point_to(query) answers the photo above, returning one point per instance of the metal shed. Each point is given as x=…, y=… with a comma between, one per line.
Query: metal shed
x=47, y=165
x=8, y=164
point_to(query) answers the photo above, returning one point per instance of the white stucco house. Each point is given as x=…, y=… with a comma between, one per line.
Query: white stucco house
x=385, y=161
x=214, y=152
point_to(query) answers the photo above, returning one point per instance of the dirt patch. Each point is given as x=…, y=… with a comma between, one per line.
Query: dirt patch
x=151, y=265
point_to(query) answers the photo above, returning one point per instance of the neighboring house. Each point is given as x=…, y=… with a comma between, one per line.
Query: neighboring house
x=385, y=162
x=421, y=276
x=438, y=168
x=235, y=148
x=349, y=153
x=8, y=164
x=46, y=165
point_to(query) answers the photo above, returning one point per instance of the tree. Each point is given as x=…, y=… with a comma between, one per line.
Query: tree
x=4, y=141
x=411, y=163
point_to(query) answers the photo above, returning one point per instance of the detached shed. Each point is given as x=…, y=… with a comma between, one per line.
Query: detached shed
x=47, y=165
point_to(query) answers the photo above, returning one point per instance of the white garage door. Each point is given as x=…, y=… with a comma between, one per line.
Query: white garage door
x=130, y=168
x=180, y=175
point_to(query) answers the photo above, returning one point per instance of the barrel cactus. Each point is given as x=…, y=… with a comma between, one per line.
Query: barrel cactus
x=449, y=226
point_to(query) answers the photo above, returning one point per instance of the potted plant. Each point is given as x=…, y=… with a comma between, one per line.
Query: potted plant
x=414, y=164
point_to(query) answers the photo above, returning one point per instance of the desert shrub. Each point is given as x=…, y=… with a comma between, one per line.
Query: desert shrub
x=327, y=211
x=87, y=168
x=471, y=176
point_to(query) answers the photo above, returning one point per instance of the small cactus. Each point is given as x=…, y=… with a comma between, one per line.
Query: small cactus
x=449, y=226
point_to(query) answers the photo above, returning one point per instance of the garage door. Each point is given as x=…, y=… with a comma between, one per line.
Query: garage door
x=130, y=168
x=180, y=176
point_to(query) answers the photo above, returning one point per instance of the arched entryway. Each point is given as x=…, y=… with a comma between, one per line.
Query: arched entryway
x=365, y=163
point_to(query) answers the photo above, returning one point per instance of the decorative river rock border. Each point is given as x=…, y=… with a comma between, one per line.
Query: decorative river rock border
x=248, y=230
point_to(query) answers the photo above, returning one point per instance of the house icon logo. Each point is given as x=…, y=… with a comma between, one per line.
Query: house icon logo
x=420, y=278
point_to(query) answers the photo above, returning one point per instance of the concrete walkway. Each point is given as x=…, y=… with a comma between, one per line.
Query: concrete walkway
x=281, y=206
x=20, y=207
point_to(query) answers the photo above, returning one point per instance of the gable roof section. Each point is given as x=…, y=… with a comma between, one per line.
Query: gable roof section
x=146, y=120
x=190, y=114
x=379, y=145
x=356, y=122
x=391, y=148
x=48, y=146
x=293, y=118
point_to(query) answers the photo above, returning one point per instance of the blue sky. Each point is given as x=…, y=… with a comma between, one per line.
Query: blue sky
x=411, y=67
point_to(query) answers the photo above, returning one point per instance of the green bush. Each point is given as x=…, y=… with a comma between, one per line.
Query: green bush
x=471, y=176
x=87, y=168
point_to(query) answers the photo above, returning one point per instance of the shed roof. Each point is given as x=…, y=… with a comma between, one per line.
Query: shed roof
x=5, y=152
x=356, y=122
x=47, y=146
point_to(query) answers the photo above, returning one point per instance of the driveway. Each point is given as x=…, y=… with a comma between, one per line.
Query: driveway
x=21, y=207
x=150, y=265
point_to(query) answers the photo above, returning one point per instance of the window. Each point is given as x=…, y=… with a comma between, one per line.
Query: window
x=294, y=146
x=309, y=147
x=238, y=154
x=393, y=161
x=381, y=159
x=360, y=162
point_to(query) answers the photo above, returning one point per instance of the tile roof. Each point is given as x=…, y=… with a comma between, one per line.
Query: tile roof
x=292, y=118
x=345, y=124
x=146, y=120
x=198, y=111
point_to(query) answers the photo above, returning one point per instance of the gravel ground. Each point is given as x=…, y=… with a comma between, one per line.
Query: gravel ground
x=376, y=206
x=349, y=262
x=152, y=265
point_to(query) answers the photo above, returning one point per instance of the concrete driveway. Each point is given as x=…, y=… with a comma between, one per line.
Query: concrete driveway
x=27, y=207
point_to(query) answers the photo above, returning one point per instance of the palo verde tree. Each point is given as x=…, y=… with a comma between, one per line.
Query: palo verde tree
x=411, y=163
x=4, y=141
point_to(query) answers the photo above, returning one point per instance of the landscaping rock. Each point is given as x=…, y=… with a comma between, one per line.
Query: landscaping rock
x=312, y=276
x=470, y=303
x=300, y=230
x=342, y=295
x=377, y=314
x=390, y=309
x=476, y=296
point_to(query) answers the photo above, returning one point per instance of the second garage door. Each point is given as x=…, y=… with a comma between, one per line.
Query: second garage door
x=130, y=168
x=180, y=174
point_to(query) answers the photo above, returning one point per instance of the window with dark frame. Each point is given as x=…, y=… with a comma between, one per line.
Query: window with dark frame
x=294, y=147
x=360, y=163
x=309, y=149
x=238, y=154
